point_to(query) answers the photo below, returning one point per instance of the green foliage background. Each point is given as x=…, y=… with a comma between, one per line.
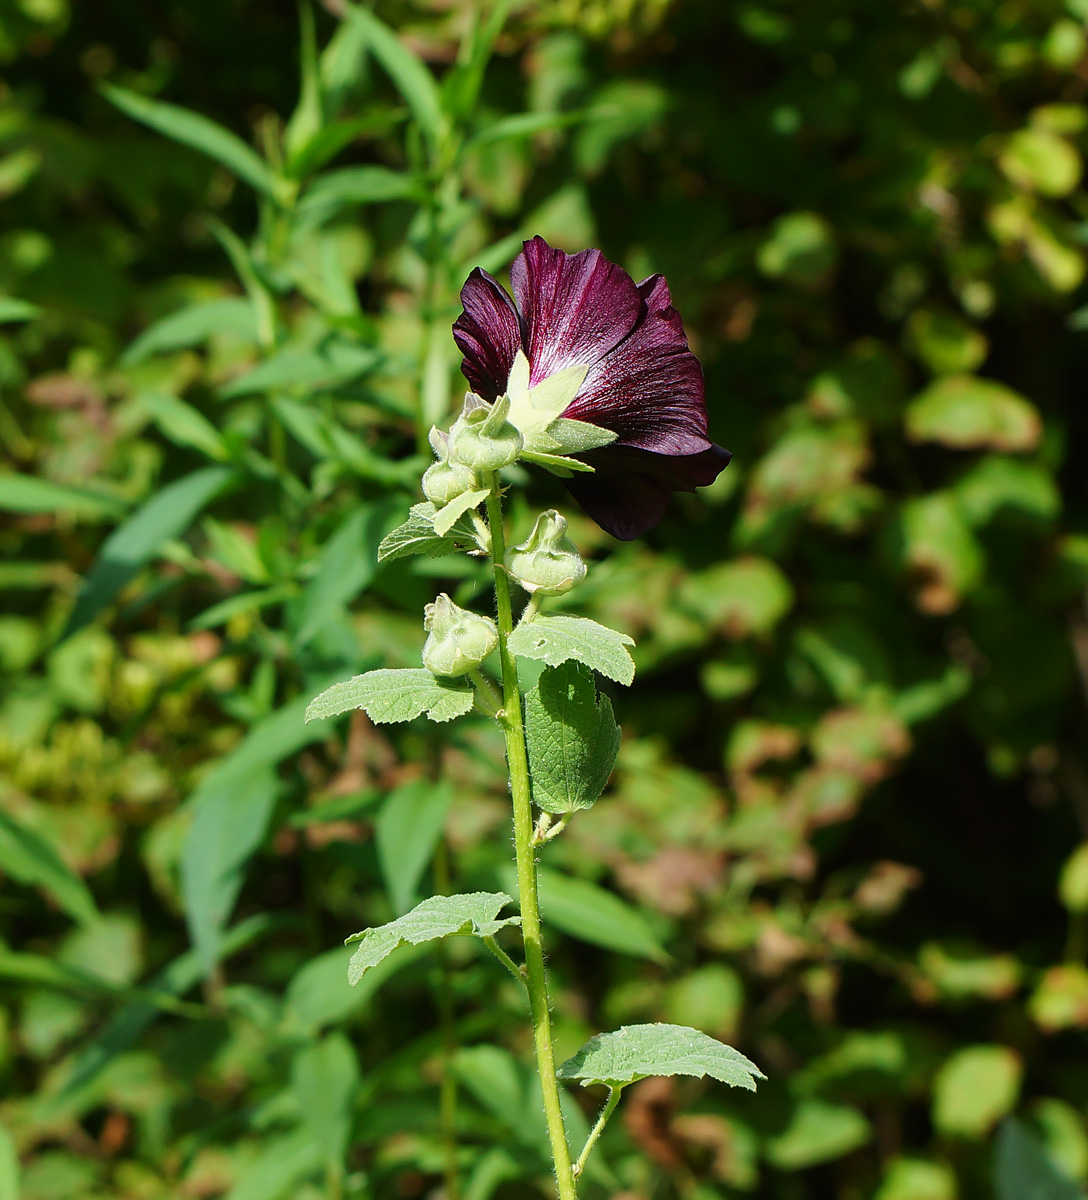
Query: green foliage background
x=843, y=833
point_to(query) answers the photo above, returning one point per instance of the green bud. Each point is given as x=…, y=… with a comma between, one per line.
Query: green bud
x=444, y=481
x=458, y=640
x=546, y=561
x=482, y=438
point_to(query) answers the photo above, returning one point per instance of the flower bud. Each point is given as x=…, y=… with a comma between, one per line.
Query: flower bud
x=444, y=481
x=546, y=561
x=482, y=438
x=458, y=640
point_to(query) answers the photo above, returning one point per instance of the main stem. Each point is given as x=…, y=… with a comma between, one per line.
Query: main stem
x=517, y=761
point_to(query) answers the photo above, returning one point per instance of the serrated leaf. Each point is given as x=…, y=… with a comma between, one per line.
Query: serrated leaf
x=573, y=739
x=472, y=913
x=639, y=1051
x=394, y=695
x=448, y=516
x=417, y=536
x=559, y=638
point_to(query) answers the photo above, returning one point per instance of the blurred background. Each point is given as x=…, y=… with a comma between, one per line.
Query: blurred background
x=847, y=828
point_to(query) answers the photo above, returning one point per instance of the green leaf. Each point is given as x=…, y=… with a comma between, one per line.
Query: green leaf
x=230, y=811
x=411, y=77
x=417, y=536
x=407, y=831
x=800, y=249
x=185, y=425
x=221, y=613
x=127, y=1024
x=593, y=915
x=192, y=326
x=306, y=121
x=975, y=1088
x=278, y=1169
x=559, y=638
x=29, y=494
x=1040, y=160
x=999, y=483
x=448, y=516
x=12, y=309
x=198, y=132
x=818, y=1132
x=347, y=565
x=968, y=413
x=639, y=1051
x=9, y=1167
x=165, y=516
x=572, y=737
x=394, y=695
x=27, y=856
x=325, y=1080
x=336, y=191
x=1023, y=1170
x=333, y=364
x=230, y=818
x=474, y=913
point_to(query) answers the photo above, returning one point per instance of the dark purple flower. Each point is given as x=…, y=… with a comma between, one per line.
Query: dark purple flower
x=642, y=383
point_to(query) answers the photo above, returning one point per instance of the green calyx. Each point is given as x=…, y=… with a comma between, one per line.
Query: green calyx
x=458, y=640
x=482, y=438
x=443, y=480
x=547, y=561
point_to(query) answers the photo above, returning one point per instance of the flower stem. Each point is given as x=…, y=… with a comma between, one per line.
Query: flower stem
x=517, y=760
x=602, y=1121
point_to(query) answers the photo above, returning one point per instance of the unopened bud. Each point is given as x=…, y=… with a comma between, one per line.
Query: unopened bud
x=444, y=481
x=482, y=438
x=546, y=561
x=458, y=640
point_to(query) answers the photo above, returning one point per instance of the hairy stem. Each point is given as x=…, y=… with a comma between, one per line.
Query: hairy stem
x=517, y=760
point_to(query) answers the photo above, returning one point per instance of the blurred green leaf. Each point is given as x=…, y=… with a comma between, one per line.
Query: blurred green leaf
x=818, y=1132
x=230, y=810
x=1040, y=160
x=968, y=413
x=9, y=1167
x=916, y=1179
x=325, y=1078
x=800, y=249
x=975, y=1088
x=997, y=484
x=306, y=121
x=594, y=915
x=1023, y=1171
x=407, y=831
x=13, y=309
x=185, y=425
x=192, y=326
x=27, y=494
x=198, y=132
x=337, y=192
x=166, y=515
x=411, y=77
x=28, y=857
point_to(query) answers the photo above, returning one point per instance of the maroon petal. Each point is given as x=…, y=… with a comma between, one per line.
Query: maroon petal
x=630, y=488
x=488, y=334
x=575, y=307
x=649, y=388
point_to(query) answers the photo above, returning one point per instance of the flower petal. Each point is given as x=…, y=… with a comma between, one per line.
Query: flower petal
x=574, y=307
x=488, y=334
x=649, y=389
x=630, y=488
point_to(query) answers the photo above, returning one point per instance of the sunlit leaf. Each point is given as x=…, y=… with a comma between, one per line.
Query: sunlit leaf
x=638, y=1051
x=395, y=695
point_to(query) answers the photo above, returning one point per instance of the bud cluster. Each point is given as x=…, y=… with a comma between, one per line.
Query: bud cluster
x=481, y=442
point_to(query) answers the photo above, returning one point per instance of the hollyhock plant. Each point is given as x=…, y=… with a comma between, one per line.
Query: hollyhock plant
x=588, y=374
x=599, y=375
